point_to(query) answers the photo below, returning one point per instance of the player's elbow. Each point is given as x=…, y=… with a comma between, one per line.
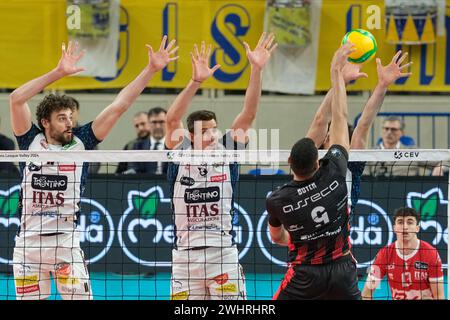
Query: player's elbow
x=15, y=98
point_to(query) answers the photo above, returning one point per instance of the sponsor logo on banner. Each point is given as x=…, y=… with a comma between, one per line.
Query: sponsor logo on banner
x=432, y=207
x=96, y=228
x=372, y=227
x=219, y=178
x=147, y=222
x=9, y=222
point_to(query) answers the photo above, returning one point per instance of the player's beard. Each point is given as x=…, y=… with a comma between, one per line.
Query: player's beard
x=63, y=137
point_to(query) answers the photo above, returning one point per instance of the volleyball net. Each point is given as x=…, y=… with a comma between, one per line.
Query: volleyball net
x=125, y=224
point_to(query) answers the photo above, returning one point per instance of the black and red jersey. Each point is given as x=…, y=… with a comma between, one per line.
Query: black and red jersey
x=315, y=212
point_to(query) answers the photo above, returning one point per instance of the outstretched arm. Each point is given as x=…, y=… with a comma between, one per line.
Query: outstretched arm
x=319, y=126
x=200, y=72
x=387, y=75
x=20, y=112
x=258, y=59
x=339, y=112
x=104, y=122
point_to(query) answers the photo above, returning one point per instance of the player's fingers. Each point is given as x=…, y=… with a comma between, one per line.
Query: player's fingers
x=197, y=54
x=406, y=65
x=170, y=45
x=261, y=39
x=402, y=58
x=246, y=46
x=404, y=75
x=217, y=66
x=163, y=43
x=202, y=49
x=273, y=48
x=394, y=59
x=150, y=49
x=208, y=51
x=173, y=50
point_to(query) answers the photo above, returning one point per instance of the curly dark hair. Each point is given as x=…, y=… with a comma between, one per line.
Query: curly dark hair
x=52, y=103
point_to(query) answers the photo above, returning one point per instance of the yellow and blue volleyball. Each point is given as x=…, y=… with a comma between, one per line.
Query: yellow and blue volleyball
x=365, y=45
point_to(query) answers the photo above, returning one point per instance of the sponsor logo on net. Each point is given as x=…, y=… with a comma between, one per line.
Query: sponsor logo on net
x=96, y=228
x=159, y=229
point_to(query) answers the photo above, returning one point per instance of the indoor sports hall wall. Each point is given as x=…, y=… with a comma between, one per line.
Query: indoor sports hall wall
x=31, y=33
x=289, y=114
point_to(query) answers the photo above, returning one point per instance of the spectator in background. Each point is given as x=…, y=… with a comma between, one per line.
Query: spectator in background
x=7, y=144
x=94, y=167
x=392, y=130
x=155, y=141
x=142, y=127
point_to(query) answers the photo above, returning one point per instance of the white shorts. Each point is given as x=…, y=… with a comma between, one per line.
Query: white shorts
x=37, y=258
x=207, y=274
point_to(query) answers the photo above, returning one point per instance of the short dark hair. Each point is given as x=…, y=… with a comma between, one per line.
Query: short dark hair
x=53, y=103
x=201, y=115
x=406, y=212
x=75, y=102
x=303, y=157
x=154, y=111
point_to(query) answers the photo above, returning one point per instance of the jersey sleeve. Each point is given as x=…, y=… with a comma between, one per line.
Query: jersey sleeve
x=26, y=139
x=273, y=217
x=87, y=136
x=338, y=156
x=435, y=272
x=377, y=270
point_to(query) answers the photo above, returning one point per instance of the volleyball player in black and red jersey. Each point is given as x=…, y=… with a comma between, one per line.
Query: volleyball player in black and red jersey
x=310, y=214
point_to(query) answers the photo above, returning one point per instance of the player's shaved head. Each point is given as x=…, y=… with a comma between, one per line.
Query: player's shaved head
x=303, y=157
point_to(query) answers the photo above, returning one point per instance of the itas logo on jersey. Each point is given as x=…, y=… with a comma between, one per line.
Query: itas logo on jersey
x=219, y=178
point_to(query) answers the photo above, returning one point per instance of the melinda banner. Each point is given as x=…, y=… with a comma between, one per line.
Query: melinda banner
x=126, y=223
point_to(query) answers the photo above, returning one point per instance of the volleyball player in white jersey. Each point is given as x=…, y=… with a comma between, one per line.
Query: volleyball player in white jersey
x=205, y=262
x=48, y=242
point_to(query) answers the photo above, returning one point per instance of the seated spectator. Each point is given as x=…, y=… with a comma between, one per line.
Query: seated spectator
x=142, y=127
x=155, y=141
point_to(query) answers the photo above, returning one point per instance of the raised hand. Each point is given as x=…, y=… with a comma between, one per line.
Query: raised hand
x=341, y=56
x=200, y=63
x=69, y=59
x=352, y=72
x=259, y=57
x=160, y=59
x=387, y=75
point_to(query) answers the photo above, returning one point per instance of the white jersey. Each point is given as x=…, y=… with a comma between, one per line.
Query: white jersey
x=202, y=203
x=51, y=191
